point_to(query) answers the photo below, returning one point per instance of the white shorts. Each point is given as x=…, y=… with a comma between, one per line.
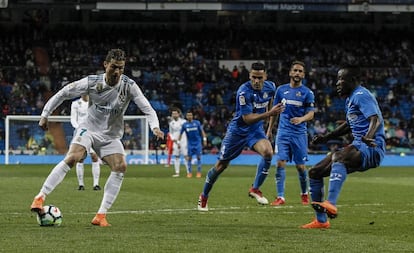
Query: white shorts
x=101, y=144
x=90, y=150
x=180, y=151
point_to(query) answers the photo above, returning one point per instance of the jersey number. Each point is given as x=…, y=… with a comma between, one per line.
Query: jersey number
x=83, y=130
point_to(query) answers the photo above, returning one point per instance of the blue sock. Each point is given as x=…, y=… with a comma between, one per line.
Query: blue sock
x=199, y=165
x=261, y=172
x=303, y=180
x=280, y=182
x=336, y=180
x=211, y=177
x=316, y=187
x=189, y=169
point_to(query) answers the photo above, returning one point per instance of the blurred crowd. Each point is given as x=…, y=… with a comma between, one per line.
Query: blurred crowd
x=182, y=69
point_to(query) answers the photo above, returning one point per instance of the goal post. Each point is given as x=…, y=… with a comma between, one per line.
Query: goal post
x=25, y=141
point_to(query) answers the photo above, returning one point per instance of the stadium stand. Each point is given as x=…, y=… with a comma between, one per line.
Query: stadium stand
x=183, y=66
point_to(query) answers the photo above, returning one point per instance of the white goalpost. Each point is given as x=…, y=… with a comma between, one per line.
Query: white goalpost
x=25, y=141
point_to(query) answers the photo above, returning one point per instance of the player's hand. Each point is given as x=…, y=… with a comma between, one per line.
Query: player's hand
x=370, y=142
x=318, y=139
x=277, y=109
x=43, y=123
x=296, y=120
x=158, y=133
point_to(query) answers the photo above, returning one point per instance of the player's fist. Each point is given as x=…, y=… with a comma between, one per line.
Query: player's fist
x=43, y=123
x=158, y=133
x=277, y=109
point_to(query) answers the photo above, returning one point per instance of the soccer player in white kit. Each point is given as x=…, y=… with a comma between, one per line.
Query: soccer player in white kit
x=179, y=147
x=78, y=114
x=109, y=96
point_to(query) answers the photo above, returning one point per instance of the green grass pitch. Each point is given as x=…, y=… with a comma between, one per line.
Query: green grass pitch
x=157, y=213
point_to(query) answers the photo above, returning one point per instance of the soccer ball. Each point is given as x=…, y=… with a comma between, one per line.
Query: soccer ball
x=51, y=216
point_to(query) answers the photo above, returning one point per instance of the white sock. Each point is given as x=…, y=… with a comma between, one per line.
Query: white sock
x=79, y=173
x=177, y=165
x=55, y=177
x=96, y=171
x=111, y=190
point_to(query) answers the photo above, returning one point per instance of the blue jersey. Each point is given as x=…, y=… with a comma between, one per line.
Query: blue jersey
x=298, y=101
x=359, y=107
x=193, y=131
x=239, y=134
x=250, y=101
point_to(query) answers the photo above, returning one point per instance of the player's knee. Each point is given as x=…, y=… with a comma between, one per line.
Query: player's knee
x=94, y=157
x=220, y=166
x=268, y=154
x=313, y=173
x=72, y=158
x=120, y=167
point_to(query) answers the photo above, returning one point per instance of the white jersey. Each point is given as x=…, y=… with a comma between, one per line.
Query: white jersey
x=175, y=128
x=78, y=112
x=107, y=104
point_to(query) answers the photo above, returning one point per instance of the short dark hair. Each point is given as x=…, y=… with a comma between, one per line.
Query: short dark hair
x=301, y=63
x=353, y=70
x=258, y=66
x=116, y=54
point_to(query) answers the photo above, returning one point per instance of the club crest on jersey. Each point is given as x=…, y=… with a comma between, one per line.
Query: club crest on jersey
x=242, y=100
x=298, y=94
x=99, y=87
x=79, y=139
x=265, y=95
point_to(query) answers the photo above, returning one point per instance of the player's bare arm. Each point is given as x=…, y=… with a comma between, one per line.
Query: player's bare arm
x=374, y=123
x=255, y=117
x=339, y=131
x=297, y=120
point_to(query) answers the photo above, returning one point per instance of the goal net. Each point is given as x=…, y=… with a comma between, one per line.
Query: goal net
x=26, y=142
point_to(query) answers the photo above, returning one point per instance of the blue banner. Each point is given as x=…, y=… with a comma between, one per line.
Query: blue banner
x=245, y=159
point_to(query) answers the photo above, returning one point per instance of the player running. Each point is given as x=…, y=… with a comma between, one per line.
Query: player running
x=253, y=106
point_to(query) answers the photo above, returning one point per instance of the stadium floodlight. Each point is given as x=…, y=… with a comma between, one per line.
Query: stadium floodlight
x=23, y=136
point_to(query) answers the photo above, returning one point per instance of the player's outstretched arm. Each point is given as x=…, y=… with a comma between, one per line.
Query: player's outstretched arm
x=255, y=117
x=339, y=131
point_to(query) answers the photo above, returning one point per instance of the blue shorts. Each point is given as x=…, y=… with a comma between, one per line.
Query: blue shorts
x=290, y=147
x=194, y=150
x=371, y=156
x=233, y=144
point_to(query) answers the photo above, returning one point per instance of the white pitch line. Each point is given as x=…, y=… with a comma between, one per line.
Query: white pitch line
x=287, y=209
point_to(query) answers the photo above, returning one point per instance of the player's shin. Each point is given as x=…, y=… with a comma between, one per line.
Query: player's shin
x=55, y=177
x=177, y=165
x=261, y=172
x=211, y=178
x=111, y=190
x=303, y=180
x=316, y=189
x=280, y=181
x=336, y=180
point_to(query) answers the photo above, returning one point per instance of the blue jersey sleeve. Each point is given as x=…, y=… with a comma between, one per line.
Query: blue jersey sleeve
x=245, y=102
